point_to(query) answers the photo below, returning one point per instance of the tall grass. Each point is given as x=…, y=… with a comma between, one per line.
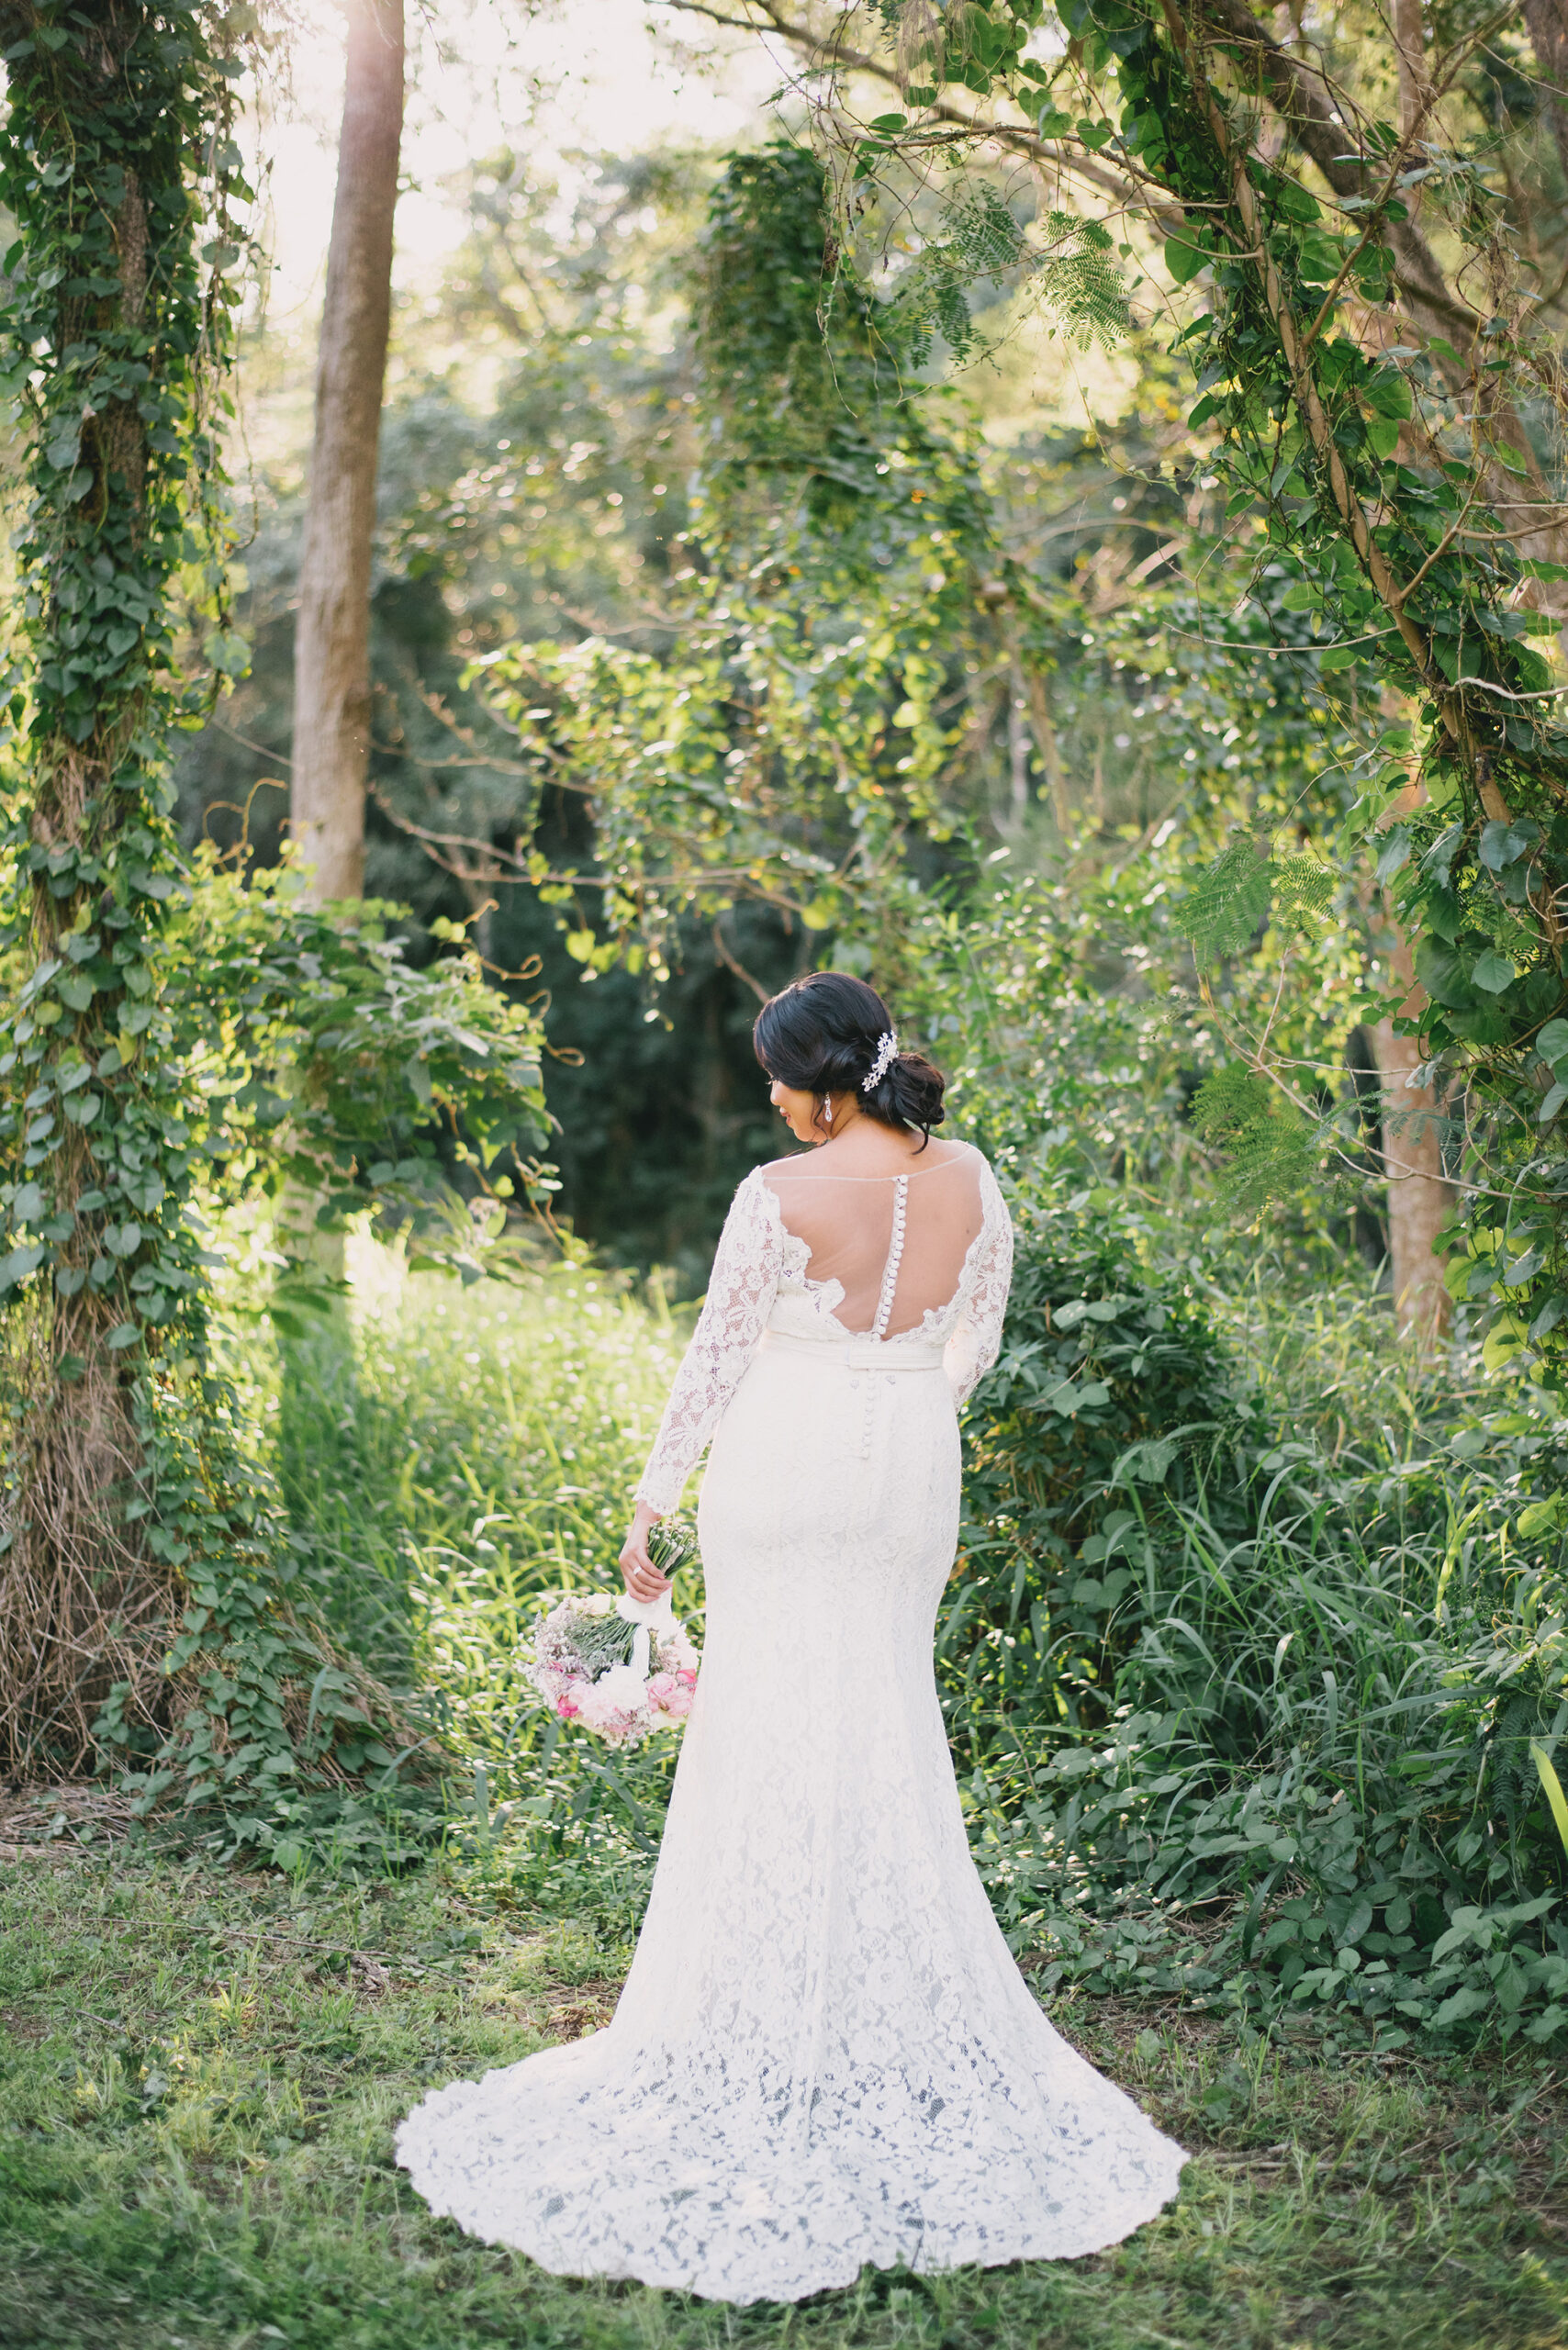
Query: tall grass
x=1321, y=1660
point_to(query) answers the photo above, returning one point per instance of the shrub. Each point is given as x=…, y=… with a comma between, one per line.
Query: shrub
x=1113, y=1405
x=1199, y=1655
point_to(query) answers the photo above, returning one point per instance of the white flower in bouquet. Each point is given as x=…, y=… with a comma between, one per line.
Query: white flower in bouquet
x=615, y=1707
x=623, y=1689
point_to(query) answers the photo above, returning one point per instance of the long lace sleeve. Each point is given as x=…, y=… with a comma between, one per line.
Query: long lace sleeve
x=741, y=1290
x=974, y=1338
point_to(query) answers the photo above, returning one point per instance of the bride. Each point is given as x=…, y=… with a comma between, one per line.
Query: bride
x=824, y=2054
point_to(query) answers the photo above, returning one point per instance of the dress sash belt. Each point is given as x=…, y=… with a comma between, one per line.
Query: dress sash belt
x=859, y=1354
x=864, y=1360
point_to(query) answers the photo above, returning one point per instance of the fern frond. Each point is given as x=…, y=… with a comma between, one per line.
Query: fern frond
x=931, y=302
x=1271, y=1150
x=1303, y=891
x=982, y=231
x=1078, y=282
x=1074, y=277
x=1229, y=903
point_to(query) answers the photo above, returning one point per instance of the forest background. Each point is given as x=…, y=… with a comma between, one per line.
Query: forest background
x=558, y=508
x=807, y=541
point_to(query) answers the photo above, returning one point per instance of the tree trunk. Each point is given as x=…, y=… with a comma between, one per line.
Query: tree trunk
x=1049, y=750
x=93, y=163
x=1548, y=23
x=1410, y=42
x=1415, y=86
x=1420, y=1198
x=331, y=663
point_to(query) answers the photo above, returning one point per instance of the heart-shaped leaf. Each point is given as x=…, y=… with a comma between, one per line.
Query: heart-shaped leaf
x=1493, y=971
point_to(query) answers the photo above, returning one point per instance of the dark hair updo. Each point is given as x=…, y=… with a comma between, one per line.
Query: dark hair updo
x=819, y=1035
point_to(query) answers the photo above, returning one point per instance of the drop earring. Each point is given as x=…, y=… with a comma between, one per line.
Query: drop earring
x=827, y=1109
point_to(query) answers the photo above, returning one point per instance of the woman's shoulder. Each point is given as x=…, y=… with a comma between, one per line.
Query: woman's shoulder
x=821, y=1167
x=790, y=1164
x=955, y=1152
x=970, y=1156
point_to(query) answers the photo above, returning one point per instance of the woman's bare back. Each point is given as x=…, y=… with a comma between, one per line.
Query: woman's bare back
x=874, y=1203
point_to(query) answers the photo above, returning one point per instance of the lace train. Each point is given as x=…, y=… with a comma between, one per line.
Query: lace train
x=824, y=2054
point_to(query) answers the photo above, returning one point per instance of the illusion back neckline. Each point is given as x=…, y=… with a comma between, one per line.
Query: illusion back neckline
x=885, y=1267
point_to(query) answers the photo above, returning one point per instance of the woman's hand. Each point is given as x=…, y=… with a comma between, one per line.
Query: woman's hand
x=642, y=1578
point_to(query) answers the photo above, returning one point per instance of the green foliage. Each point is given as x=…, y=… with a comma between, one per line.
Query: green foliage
x=795, y=744
x=429, y=1554
x=277, y=1748
x=1316, y=1683
x=1068, y=271
x=1396, y=486
x=1079, y=283
x=1077, y=1041
x=318, y=1059
x=1460, y=646
x=1272, y=1642
x=1065, y=692
x=105, y=281
x=791, y=367
x=1229, y=903
x=1271, y=1148
x=304, y=1050
x=172, y=1040
x=326, y=1062
x=1111, y=1402
x=556, y=505
x=115, y=332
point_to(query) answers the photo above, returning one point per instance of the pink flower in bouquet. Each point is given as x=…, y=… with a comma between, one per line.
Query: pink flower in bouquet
x=669, y=1694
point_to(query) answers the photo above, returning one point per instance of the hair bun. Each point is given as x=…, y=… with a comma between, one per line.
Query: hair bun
x=909, y=1093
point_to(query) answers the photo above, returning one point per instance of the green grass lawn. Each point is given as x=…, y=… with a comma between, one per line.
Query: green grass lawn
x=201, y=2072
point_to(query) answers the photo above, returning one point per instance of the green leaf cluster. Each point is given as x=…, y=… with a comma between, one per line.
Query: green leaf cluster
x=1188, y=1655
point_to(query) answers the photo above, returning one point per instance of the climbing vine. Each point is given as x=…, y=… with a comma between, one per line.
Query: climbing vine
x=168, y=1039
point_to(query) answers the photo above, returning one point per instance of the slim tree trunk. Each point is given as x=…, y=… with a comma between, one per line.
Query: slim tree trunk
x=1410, y=42
x=1415, y=86
x=1049, y=747
x=331, y=663
x=1420, y=1198
x=1548, y=23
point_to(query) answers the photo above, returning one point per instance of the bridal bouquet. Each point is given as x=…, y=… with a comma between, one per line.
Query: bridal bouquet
x=621, y=1667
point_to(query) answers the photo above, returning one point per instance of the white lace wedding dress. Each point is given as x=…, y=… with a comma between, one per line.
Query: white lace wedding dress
x=824, y=2054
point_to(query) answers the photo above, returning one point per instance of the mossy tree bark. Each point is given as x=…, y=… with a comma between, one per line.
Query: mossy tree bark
x=1420, y=1197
